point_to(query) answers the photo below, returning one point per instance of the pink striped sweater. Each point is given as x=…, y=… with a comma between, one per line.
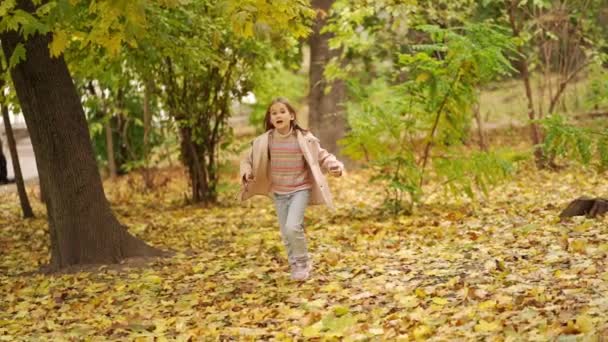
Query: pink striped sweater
x=288, y=169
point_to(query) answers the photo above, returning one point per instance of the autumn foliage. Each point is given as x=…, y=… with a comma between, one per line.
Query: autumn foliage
x=453, y=270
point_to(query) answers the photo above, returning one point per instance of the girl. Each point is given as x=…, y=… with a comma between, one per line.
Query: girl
x=286, y=163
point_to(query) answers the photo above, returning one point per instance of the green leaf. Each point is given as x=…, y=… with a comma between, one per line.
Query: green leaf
x=6, y=6
x=17, y=56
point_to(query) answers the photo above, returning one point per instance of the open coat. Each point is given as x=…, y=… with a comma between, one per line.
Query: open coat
x=257, y=162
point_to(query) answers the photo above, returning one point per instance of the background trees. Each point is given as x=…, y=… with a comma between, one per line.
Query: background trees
x=326, y=98
x=403, y=81
x=198, y=87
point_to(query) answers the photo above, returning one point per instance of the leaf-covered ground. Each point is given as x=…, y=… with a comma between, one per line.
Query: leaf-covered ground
x=506, y=269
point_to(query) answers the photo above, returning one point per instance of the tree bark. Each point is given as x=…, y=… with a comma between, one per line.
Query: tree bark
x=326, y=111
x=145, y=170
x=110, y=148
x=194, y=158
x=524, y=72
x=3, y=170
x=483, y=144
x=82, y=226
x=12, y=145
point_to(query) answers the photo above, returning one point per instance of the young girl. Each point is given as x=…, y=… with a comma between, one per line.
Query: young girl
x=287, y=163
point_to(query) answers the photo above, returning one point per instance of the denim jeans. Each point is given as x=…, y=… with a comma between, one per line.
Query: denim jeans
x=290, y=210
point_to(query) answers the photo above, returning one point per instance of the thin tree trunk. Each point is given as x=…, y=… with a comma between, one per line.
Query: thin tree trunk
x=483, y=144
x=326, y=111
x=147, y=119
x=147, y=176
x=430, y=138
x=524, y=72
x=3, y=169
x=562, y=86
x=12, y=145
x=190, y=154
x=82, y=226
x=110, y=148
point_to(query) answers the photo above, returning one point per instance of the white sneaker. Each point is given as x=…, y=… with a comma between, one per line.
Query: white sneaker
x=300, y=270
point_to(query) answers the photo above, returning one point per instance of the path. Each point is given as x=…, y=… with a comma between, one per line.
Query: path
x=26, y=158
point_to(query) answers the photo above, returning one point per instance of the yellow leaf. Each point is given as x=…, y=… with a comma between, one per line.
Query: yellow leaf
x=579, y=245
x=154, y=279
x=60, y=41
x=340, y=311
x=408, y=301
x=423, y=77
x=332, y=259
x=331, y=287
x=487, y=305
x=581, y=228
x=585, y=323
x=420, y=292
x=440, y=301
x=484, y=326
x=421, y=332
x=113, y=44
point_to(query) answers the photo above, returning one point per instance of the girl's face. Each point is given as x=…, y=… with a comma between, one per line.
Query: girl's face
x=280, y=117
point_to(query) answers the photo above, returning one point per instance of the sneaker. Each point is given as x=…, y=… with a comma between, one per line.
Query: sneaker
x=300, y=271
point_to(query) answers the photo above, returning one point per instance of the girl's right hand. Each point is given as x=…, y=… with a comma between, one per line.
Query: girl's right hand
x=248, y=178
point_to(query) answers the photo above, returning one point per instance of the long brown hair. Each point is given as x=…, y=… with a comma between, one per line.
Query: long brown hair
x=294, y=124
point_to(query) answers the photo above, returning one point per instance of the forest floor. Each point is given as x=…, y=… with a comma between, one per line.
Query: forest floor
x=500, y=268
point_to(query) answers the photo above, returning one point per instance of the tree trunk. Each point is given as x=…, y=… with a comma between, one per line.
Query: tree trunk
x=3, y=169
x=110, y=148
x=326, y=111
x=147, y=119
x=146, y=174
x=82, y=226
x=483, y=144
x=522, y=66
x=25, y=202
x=193, y=157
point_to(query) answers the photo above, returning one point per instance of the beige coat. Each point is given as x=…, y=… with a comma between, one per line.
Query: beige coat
x=256, y=161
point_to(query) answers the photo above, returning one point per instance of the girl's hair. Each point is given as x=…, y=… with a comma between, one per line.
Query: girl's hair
x=294, y=123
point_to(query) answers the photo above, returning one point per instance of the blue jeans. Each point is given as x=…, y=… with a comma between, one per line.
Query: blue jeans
x=290, y=210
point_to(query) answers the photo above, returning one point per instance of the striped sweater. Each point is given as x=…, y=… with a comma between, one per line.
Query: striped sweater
x=288, y=169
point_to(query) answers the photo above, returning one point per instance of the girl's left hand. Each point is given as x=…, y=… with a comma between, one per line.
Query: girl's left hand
x=335, y=170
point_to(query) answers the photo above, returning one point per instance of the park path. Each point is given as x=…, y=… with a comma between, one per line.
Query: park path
x=26, y=158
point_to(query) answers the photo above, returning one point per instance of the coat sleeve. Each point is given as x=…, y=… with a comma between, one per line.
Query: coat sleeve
x=246, y=162
x=327, y=160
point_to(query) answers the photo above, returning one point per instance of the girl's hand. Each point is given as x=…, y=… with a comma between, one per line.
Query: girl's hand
x=336, y=170
x=248, y=178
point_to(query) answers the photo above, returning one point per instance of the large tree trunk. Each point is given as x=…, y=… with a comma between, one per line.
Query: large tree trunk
x=82, y=226
x=12, y=145
x=326, y=111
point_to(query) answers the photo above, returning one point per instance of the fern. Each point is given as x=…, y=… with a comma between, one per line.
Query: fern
x=390, y=121
x=474, y=173
x=565, y=140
